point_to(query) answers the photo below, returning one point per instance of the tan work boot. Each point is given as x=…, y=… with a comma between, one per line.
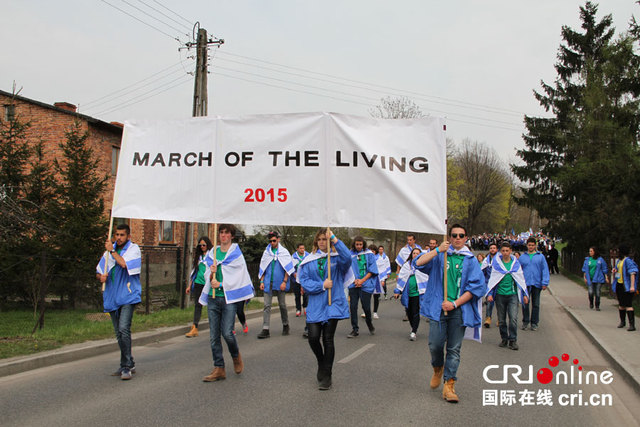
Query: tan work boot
x=449, y=392
x=216, y=375
x=487, y=322
x=436, y=379
x=193, y=332
x=238, y=365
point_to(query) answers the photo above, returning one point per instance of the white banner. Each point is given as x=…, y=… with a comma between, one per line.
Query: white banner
x=311, y=169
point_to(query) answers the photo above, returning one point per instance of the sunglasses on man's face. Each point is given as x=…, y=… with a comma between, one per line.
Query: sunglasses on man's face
x=460, y=235
x=273, y=241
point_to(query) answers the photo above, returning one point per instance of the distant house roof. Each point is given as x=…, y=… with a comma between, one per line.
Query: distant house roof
x=66, y=108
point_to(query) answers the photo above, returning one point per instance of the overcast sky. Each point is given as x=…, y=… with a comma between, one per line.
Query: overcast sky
x=473, y=62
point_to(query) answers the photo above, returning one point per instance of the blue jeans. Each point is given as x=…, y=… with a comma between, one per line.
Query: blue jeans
x=489, y=311
x=356, y=294
x=534, y=302
x=508, y=305
x=450, y=330
x=121, y=319
x=594, y=289
x=222, y=316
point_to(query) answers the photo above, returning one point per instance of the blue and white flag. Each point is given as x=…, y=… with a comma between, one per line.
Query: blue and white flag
x=486, y=263
x=384, y=270
x=297, y=259
x=499, y=270
x=282, y=255
x=462, y=251
x=349, y=277
x=131, y=255
x=384, y=267
x=408, y=269
x=404, y=254
x=474, y=334
x=236, y=282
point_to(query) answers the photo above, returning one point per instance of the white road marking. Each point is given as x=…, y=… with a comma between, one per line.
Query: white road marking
x=356, y=354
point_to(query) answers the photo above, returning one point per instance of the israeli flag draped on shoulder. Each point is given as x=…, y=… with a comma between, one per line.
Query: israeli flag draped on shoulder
x=282, y=255
x=499, y=270
x=462, y=251
x=404, y=254
x=486, y=262
x=382, y=275
x=296, y=257
x=474, y=334
x=349, y=277
x=236, y=284
x=384, y=266
x=131, y=255
x=363, y=252
x=409, y=269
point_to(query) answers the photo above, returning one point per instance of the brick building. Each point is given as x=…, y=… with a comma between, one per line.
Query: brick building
x=49, y=123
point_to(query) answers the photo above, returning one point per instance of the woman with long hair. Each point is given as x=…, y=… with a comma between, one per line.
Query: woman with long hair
x=323, y=314
x=197, y=281
x=411, y=284
x=595, y=274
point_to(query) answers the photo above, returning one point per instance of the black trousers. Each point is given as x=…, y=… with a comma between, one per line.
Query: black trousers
x=323, y=350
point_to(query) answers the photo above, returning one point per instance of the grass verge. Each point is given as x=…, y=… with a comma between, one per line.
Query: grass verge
x=63, y=327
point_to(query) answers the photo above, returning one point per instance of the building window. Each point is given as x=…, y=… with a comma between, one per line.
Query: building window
x=115, y=155
x=118, y=221
x=9, y=112
x=166, y=232
x=203, y=229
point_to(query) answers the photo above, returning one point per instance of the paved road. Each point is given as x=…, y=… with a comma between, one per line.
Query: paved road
x=385, y=384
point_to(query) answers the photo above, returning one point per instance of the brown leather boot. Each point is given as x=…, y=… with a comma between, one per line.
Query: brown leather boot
x=436, y=379
x=216, y=375
x=449, y=392
x=238, y=365
x=193, y=332
x=487, y=322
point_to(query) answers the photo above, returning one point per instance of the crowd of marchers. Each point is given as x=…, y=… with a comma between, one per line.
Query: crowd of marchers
x=444, y=282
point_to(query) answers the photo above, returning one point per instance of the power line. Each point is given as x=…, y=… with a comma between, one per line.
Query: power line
x=362, y=87
x=141, y=21
x=497, y=109
x=127, y=93
x=179, y=16
x=153, y=17
x=189, y=27
x=352, y=101
x=132, y=85
x=289, y=89
x=360, y=96
x=128, y=104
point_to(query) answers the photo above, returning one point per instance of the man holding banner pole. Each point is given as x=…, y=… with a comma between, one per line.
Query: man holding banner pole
x=228, y=283
x=276, y=266
x=120, y=274
x=450, y=312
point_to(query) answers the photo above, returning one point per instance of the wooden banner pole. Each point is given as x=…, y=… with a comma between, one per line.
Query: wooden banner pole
x=329, y=264
x=106, y=254
x=445, y=276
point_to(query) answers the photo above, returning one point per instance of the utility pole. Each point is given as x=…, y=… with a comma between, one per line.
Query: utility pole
x=200, y=109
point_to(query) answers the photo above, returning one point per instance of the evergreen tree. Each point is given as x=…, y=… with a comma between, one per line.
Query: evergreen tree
x=579, y=164
x=14, y=158
x=81, y=214
x=39, y=204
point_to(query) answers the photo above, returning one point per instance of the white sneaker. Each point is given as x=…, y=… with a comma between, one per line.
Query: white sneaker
x=412, y=336
x=375, y=316
x=362, y=315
